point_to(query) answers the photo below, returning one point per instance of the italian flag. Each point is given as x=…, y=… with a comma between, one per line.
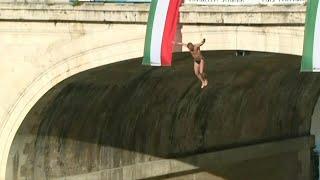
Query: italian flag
x=311, y=51
x=161, y=30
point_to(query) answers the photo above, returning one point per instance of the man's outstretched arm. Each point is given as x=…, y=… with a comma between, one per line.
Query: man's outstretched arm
x=179, y=43
x=202, y=42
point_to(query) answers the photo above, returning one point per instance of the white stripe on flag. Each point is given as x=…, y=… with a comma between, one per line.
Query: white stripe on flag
x=316, y=43
x=157, y=31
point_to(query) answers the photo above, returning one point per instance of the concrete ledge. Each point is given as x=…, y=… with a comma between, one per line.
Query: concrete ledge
x=251, y=152
x=138, y=13
x=212, y=159
x=243, y=14
x=243, y=9
x=84, y=13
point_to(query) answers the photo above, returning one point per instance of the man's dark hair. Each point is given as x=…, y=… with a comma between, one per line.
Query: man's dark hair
x=190, y=46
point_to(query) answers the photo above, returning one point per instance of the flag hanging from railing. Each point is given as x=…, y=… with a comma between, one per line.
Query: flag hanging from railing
x=311, y=51
x=161, y=30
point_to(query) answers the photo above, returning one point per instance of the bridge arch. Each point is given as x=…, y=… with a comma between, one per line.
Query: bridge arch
x=73, y=57
x=254, y=112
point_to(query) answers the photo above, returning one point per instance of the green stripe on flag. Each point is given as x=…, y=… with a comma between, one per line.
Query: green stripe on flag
x=147, y=45
x=307, y=58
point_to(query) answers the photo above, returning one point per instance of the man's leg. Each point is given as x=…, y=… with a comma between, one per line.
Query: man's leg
x=202, y=73
x=197, y=73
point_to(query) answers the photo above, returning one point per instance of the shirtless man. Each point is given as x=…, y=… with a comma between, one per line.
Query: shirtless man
x=198, y=61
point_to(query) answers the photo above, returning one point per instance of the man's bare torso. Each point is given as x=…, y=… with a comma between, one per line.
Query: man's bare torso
x=196, y=53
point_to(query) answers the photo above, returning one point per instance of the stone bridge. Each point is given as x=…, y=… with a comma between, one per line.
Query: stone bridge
x=45, y=44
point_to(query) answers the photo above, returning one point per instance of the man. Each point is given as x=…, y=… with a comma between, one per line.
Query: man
x=198, y=59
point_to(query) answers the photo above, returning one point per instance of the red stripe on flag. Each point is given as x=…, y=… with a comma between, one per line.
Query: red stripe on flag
x=169, y=33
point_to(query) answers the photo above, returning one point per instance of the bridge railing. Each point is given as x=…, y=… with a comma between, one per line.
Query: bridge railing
x=245, y=2
x=194, y=2
x=217, y=2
